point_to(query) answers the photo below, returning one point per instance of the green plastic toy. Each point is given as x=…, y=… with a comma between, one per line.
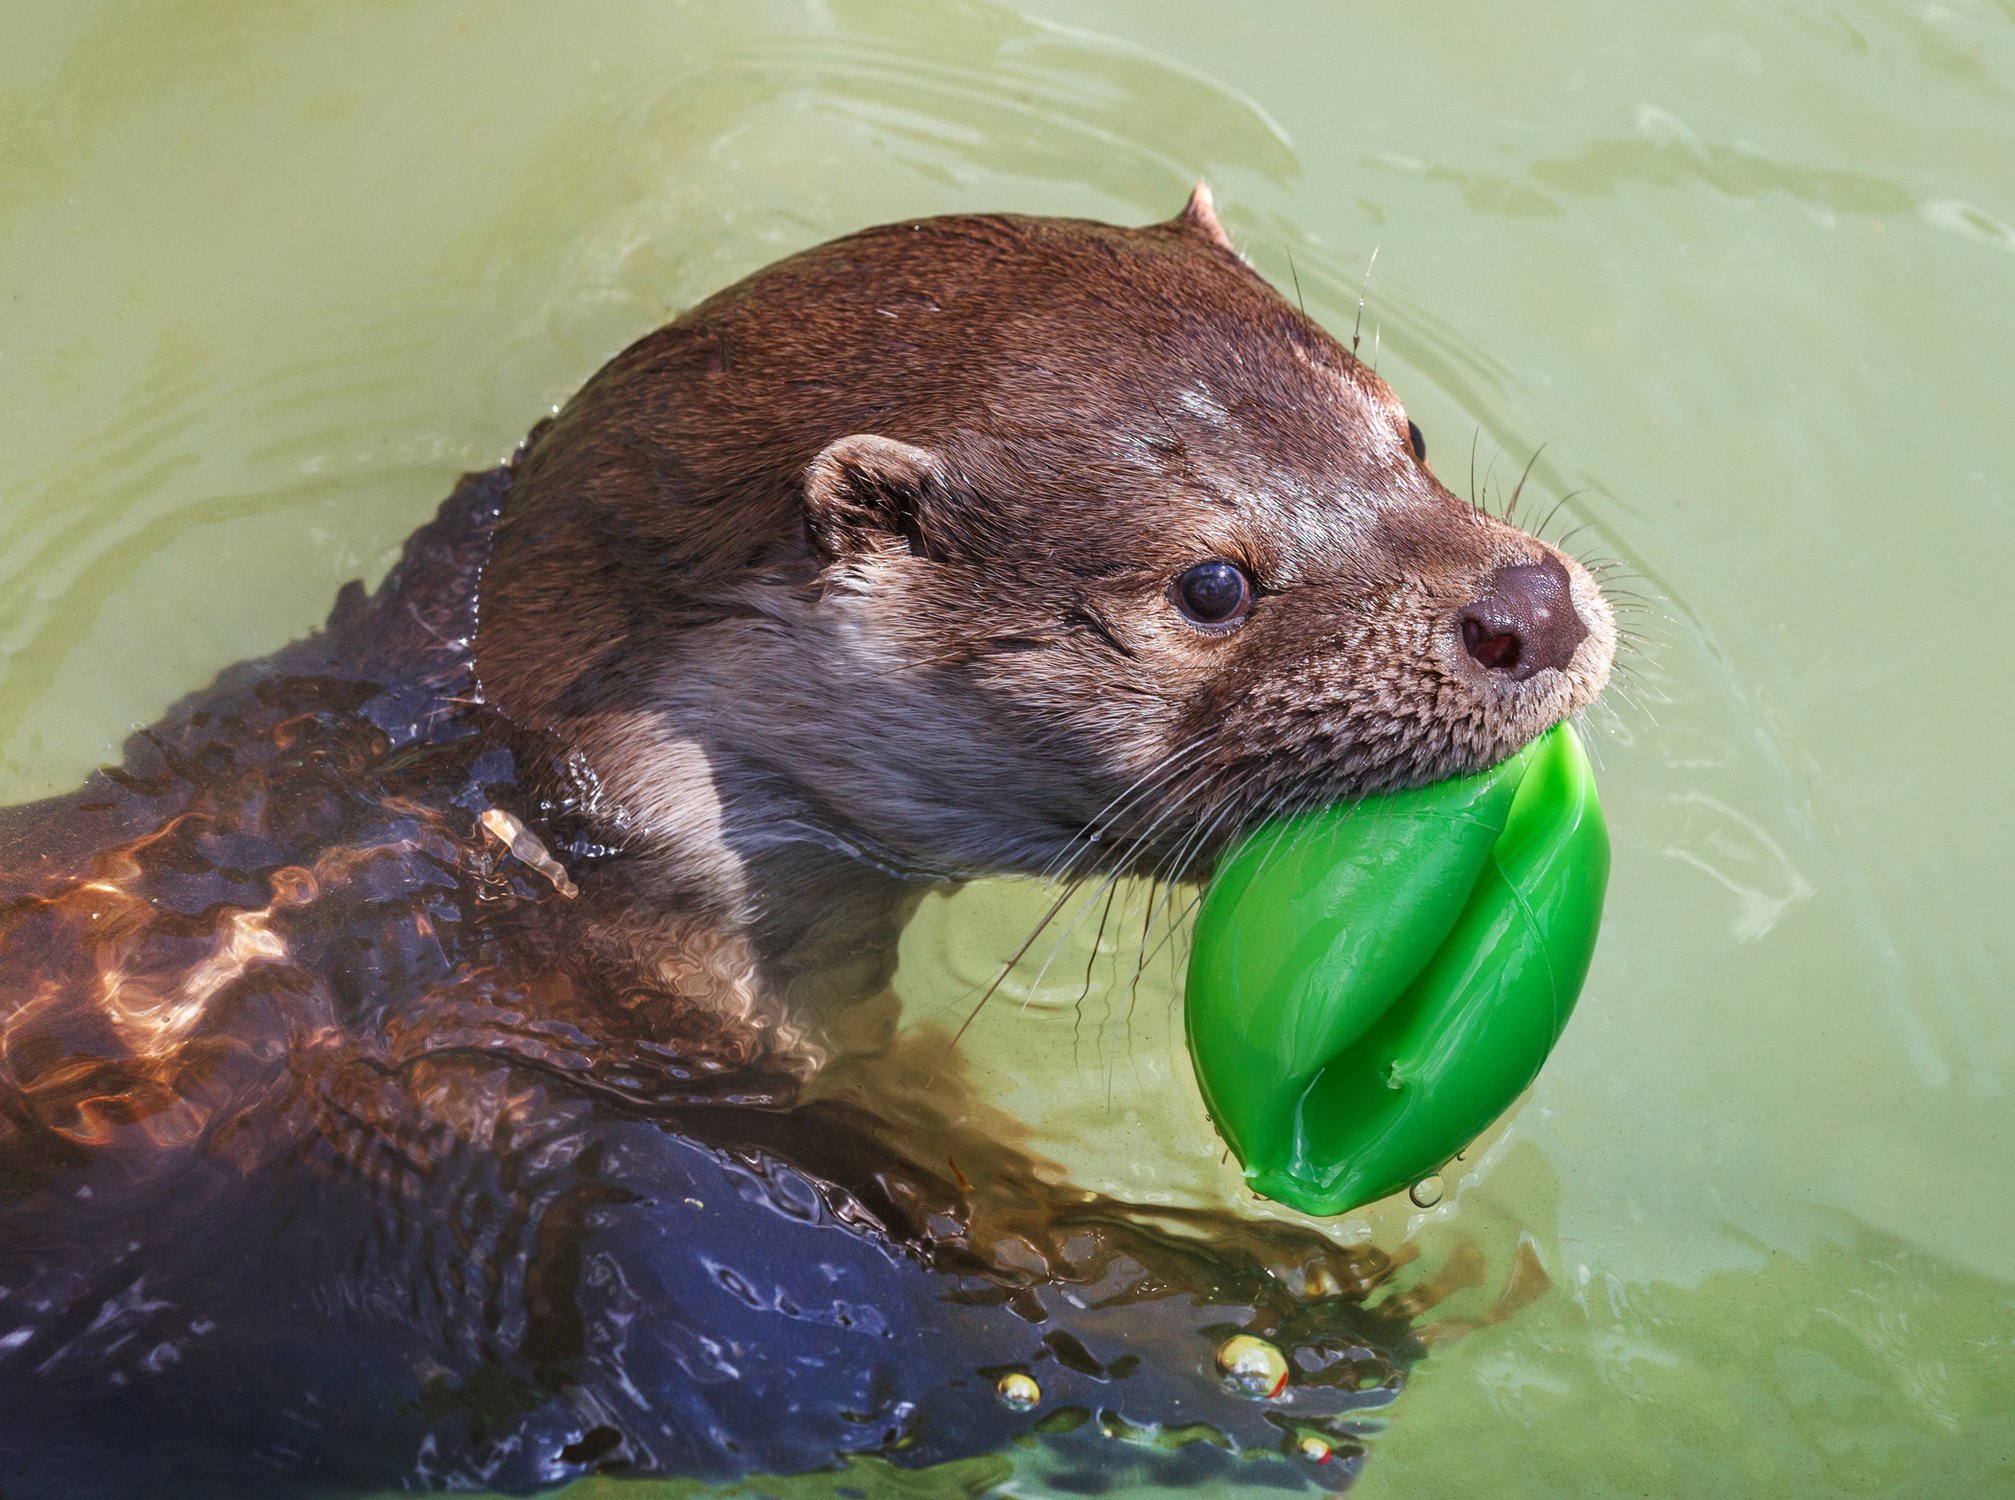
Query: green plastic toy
x=1372, y=984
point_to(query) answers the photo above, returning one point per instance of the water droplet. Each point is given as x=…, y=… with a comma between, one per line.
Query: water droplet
x=1426, y=1192
x=1313, y=1448
x=1019, y=1391
x=1252, y=1366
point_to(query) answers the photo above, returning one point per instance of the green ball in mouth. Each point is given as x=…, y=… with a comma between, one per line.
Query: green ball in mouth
x=1372, y=984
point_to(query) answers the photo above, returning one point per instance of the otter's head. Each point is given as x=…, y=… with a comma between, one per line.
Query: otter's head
x=953, y=540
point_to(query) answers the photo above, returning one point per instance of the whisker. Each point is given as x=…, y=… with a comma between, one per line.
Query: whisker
x=1172, y=868
x=1130, y=845
x=1209, y=831
x=1489, y=469
x=1102, y=821
x=1571, y=533
x=1519, y=488
x=999, y=979
x=1308, y=790
x=1105, y=888
x=1357, y=328
x=1090, y=963
x=1120, y=1016
x=1176, y=927
x=1178, y=866
x=1168, y=877
x=1540, y=530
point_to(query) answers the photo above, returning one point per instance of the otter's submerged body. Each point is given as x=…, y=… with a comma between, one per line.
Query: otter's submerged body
x=436, y=1057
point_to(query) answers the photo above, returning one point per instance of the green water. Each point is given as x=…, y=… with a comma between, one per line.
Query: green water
x=271, y=275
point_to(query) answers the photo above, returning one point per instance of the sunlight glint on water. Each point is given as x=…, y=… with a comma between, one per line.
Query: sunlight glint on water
x=273, y=275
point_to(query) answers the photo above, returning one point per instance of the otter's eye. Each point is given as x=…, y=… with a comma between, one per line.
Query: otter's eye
x=1414, y=437
x=1214, y=592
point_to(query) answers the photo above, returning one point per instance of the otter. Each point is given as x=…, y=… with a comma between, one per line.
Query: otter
x=457, y=1050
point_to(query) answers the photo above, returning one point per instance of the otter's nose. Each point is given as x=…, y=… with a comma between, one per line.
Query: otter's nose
x=1526, y=620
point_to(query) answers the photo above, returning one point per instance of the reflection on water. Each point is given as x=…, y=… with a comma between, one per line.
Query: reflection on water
x=272, y=277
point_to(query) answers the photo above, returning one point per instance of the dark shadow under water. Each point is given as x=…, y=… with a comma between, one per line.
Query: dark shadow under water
x=328, y=1162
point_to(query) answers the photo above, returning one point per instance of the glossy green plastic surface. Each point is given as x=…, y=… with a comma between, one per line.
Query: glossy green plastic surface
x=1372, y=984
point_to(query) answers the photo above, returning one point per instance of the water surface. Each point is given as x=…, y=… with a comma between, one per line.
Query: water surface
x=270, y=277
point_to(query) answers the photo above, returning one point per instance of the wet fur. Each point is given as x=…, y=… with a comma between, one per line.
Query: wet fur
x=852, y=581
x=859, y=572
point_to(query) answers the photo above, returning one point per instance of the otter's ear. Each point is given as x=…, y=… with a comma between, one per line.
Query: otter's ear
x=1199, y=217
x=865, y=493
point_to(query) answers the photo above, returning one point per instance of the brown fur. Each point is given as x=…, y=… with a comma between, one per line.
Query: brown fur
x=862, y=568
x=608, y=806
x=855, y=578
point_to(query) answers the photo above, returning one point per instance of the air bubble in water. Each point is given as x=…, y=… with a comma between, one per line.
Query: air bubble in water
x=1252, y=1366
x=1018, y=1391
x=1426, y=1192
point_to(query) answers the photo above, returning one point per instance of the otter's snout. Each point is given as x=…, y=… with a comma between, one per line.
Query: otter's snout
x=1525, y=622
